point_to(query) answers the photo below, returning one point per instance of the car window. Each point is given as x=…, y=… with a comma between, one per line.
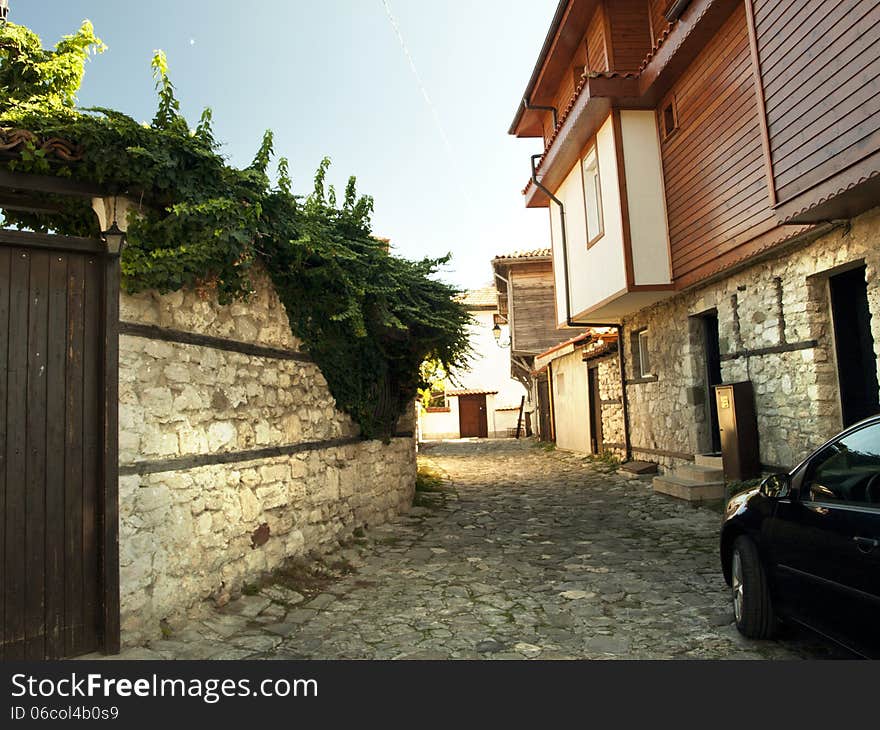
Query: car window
x=847, y=470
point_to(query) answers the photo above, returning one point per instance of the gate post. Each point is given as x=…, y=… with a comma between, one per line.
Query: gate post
x=109, y=560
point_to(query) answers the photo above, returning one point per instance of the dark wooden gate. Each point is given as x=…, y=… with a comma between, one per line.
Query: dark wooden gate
x=544, y=420
x=472, y=416
x=595, y=398
x=58, y=471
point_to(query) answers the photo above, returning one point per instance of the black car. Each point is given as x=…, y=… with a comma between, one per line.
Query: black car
x=805, y=546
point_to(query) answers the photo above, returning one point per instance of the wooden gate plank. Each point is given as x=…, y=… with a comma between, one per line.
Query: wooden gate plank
x=16, y=464
x=35, y=497
x=56, y=360
x=73, y=459
x=92, y=447
x=5, y=257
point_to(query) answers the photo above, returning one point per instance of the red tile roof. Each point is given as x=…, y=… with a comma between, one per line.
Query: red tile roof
x=471, y=391
x=573, y=341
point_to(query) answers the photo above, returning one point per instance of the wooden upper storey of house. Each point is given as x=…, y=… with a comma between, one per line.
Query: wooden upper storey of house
x=588, y=38
x=767, y=113
x=524, y=281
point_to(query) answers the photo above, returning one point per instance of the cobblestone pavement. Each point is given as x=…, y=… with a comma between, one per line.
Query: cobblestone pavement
x=525, y=554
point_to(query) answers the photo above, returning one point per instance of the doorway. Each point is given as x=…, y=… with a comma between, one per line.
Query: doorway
x=854, y=345
x=711, y=374
x=472, y=417
x=596, y=437
x=544, y=421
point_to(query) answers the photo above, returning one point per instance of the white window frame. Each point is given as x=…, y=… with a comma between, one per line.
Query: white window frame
x=644, y=354
x=594, y=219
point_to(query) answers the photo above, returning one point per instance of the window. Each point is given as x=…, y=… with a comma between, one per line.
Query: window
x=560, y=385
x=641, y=354
x=592, y=196
x=848, y=470
x=668, y=118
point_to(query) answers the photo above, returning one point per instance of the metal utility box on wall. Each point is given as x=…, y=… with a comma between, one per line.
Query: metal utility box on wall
x=738, y=426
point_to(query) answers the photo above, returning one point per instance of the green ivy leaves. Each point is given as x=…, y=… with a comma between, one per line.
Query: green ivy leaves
x=368, y=318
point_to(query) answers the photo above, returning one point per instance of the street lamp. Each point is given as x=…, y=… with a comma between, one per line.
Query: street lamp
x=496, y=333
x=113, y=237
x=4, y=10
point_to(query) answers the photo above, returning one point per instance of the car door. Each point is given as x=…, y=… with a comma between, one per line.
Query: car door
x=825, y=540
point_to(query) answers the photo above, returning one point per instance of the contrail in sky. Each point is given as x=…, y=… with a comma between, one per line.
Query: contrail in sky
x=412, y=65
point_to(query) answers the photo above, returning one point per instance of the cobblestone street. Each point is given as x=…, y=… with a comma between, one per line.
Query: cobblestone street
x=526, y=554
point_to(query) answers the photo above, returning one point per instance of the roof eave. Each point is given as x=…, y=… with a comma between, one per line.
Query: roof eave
x=539, y=64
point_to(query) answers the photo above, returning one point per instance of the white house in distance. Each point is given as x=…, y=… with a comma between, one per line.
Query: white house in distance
x=484, y=400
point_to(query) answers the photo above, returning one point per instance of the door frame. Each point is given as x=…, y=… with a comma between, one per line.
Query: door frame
x=107, y=512
x=832, y=326
x=713, y=434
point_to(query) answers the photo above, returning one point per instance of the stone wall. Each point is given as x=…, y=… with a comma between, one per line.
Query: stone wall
x=612, y=408
x=780, y=302
x=232, y=462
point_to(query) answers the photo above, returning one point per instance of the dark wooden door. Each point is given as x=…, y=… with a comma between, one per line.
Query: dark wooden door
x=544, y=421
x=596, y=438
x=472, y=418
x=52, y=455
x=712, y=349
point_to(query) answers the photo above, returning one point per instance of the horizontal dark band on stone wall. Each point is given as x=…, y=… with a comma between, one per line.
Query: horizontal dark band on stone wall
x=646, y=379
x=182, y=463
x=152, y=332
x=655, y=452
x=773, y=350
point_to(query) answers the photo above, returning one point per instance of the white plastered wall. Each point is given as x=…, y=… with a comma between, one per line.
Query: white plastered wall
x=599, y=272
x=646, y=197
x=571, y=403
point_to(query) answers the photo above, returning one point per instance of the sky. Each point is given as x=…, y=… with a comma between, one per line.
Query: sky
x=332, y=78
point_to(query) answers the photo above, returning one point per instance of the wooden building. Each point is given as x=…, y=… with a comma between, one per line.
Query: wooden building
x=710, y=170
x=482, y=400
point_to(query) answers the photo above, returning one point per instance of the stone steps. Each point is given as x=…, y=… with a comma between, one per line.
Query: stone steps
x=700, y=473
x=708, y=460
x=692, y=490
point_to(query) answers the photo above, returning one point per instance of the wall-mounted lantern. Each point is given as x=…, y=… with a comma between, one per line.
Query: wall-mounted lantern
x=496, y=333
x=113, y=213
x=114, y=239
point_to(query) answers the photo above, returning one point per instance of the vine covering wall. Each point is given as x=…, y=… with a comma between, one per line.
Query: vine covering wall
x=368, y=318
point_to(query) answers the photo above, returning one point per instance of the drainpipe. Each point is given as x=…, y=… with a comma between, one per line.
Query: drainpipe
x=571, y=323
x=563, y=242
x=627, y=445
x=538, y=108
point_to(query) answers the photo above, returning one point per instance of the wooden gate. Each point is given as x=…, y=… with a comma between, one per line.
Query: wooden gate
x=544, y=418
x=595, y=400
x=59, y=592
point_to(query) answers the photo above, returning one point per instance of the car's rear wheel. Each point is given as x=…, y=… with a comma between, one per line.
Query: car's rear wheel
x=751, y=595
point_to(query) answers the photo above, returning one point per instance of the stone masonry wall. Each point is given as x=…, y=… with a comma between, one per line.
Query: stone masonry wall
x=612, y=408
x=200, y=532
x=781, y=301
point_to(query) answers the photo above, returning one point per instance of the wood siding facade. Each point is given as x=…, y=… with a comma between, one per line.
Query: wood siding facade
x=713, y=162
x=628, y=33
x=533, y=309
x=820, y=71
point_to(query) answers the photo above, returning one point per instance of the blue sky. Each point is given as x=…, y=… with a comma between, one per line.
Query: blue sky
x=330, y=78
